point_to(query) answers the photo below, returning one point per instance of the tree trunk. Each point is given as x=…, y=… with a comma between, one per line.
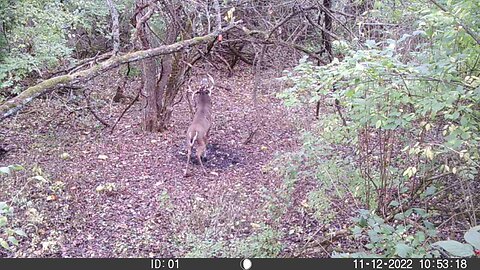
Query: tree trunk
x=150, y=113
x=115, y=27
x=172, y=88
x=327, y=40
x=149, y=72
x=173, y=71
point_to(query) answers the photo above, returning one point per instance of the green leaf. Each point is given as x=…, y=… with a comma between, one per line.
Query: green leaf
x=371, y=43
x=421, y=212
x=374, y=237
x=16, y=167
x=13, y=240
x=455, y=248
x=473, y=238
x=362, y=222
x=4, y=170
x=420, y=236
x=3, y=221
x=40, y=178
x=394, y=204
x=20, y=232
x=430, y=191
x=357, y=231
x=403, y=250
x=4, y=244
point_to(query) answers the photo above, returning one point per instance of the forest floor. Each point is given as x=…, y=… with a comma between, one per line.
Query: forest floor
x=89, y=192
x=103, y=194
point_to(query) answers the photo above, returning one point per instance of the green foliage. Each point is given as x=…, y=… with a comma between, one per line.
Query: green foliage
x=203, y=248
x=457, y=249
x=262, y=244
x=35, y=41
x=395, y=111
x=8, y=235
x=426, y=100
x=398, y=240
x=9, y=169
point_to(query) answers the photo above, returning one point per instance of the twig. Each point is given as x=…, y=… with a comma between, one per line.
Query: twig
x=90, y=109
x=251, y=135
x=338, y=107
x=126, y=109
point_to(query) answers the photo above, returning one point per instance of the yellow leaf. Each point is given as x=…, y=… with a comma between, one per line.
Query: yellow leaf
x=410, y=171
x=102, y=157
x=305, y=204
x=446, y=168
x=100, y=188
x=255, y=225
x=229, y=17
x=65, y=156
x=429, y=153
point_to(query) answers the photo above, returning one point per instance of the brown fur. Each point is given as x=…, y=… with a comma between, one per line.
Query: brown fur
x=199, y=129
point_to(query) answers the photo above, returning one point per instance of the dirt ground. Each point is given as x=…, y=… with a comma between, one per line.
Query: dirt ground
x=123, y=193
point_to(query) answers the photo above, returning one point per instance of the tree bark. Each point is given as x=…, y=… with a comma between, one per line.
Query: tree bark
x=149, y=70
x=168, y=73
x=115, y=27
x=327, y=41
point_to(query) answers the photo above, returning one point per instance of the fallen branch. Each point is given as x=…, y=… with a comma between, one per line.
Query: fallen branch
x=15, y=104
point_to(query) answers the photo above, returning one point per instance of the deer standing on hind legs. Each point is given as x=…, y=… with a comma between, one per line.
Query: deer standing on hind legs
x=198, y=131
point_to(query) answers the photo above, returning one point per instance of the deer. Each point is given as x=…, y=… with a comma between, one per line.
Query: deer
x=199, y=129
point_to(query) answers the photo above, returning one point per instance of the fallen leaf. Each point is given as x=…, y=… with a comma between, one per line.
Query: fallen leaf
x=102, y=157
x=65, y=156
x=255, y=225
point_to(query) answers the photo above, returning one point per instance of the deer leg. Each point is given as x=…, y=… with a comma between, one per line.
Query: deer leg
x=206, y=142
x=189, y=153
x=200, y=150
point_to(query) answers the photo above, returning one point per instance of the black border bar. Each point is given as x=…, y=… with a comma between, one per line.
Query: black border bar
x=233, y=264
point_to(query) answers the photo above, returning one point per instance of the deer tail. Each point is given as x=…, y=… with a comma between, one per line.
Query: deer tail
x=192, y=141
